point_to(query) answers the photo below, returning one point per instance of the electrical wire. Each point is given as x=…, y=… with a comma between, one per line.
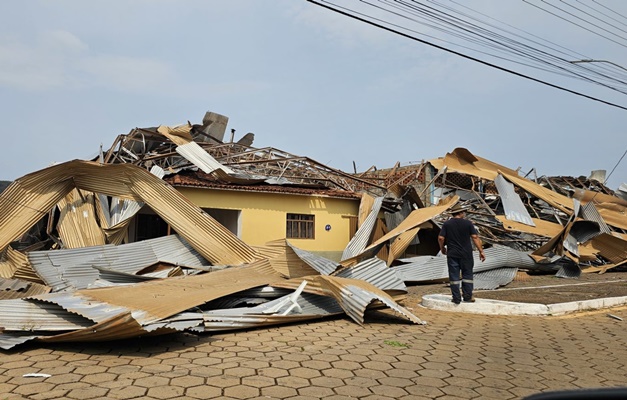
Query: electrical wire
x=428, y=13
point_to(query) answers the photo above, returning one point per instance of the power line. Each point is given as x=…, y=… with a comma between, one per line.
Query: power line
x=341, y=10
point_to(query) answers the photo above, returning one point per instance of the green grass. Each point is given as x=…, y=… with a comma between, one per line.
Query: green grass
x=395, y=343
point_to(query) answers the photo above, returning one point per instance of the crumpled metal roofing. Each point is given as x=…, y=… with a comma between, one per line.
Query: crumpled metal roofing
x=375, y=272
x=514, y=208
x=321, y=264
x=429, y=268
x=24, y=315
x=71, y=269
x=494, y=278
x=358, y=242
x=17, y=288
x=22, y=205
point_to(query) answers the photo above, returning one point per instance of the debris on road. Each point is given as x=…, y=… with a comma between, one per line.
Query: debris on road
x=70, y=271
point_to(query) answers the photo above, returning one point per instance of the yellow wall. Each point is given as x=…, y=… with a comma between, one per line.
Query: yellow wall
x=263, y=216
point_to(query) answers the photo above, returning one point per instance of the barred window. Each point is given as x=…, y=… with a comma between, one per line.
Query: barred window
x=300, y=226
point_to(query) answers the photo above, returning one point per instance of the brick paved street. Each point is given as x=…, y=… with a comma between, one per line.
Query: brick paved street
x=455, y=356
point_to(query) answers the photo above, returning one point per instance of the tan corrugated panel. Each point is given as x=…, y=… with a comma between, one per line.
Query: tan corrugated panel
x=555, y=199
x=25, y=270
x=400, y=244
x=77, y=224
x=7, y=269
x=25, y=201
x=22, y=206
x=378, y=232
x=462, y=161
x=614, y=215
x=122, y=326
x=164, y=298
x=541, y=228
x=179, y=135
x=365, y=206
x=609, y=247
x=118, y=234
x=285, y=261
x=418, y=217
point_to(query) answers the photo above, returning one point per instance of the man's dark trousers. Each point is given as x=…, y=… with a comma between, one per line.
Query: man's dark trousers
x=455, y=266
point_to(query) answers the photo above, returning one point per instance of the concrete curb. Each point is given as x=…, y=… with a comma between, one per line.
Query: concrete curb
x=443, y=302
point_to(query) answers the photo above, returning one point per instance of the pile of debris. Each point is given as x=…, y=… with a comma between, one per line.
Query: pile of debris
x=68, y=272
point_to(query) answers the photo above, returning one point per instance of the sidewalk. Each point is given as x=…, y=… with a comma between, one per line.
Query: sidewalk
x=443, y=302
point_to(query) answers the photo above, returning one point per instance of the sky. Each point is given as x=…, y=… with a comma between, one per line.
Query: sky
x=75, y=74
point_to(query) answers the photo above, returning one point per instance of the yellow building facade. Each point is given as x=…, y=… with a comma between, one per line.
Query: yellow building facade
x=257, y=217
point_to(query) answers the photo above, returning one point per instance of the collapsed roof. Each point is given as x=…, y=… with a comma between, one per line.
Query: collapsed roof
x=81, y=281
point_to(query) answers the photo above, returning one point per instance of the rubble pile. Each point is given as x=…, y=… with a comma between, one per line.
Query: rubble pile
x=69, y=273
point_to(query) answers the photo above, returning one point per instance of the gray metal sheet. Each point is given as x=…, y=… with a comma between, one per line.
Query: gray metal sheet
x=359, y=242
x=590, y=213
x=514, y=208
x=323, y=265
x=435, y=267
x=200, y=158
x=72, y=269
x=376, y=272
x=8, y=340
x=88, y=308
x=311, y=307
x=23, y=315
x=494, y=278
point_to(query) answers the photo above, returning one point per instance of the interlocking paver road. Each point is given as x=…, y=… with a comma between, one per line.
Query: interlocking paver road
x=455, y=356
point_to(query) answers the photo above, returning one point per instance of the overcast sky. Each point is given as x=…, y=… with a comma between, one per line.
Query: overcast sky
x=74, y=74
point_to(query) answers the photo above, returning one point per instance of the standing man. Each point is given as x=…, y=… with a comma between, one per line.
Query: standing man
x=456, y=234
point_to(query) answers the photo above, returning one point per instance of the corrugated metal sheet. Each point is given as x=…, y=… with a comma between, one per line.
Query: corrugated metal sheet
x=322, y=265
x=494, y=278
x=9, y=340
x=84, y=306
x=590, y=212
x=583, y=231
x=569, y=271
x=311, y=306
x=164, y=298
x=540, y=228
x=400, y=244
x=375, y=272
x=200, y=158
x=415, y=219
x=17, y=289
x=24, y=269
x=359, y=242
x=428, y=268
x=22, y=204
x=72, y=269
x=77, y=224
x=514, y=208
x=30, y=316
x=354, y=296
x=285, y=260
x=122, y=210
